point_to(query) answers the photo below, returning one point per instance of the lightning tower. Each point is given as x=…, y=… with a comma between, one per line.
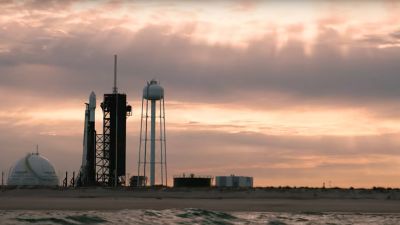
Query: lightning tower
x=111, y=145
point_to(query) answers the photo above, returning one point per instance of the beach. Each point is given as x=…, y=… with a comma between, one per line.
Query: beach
x=264, y=200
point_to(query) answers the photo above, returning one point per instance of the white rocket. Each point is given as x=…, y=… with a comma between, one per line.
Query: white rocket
x=87, y=174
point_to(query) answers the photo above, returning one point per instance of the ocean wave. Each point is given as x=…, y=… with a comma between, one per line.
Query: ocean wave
x=188, y=216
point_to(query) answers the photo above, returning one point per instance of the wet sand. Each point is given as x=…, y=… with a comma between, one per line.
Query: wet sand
x=229, y=201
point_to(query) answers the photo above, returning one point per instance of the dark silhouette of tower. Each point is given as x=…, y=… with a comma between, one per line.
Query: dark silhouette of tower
x=111, y=145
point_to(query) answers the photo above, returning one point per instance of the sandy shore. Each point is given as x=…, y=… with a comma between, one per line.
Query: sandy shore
x=272, y=200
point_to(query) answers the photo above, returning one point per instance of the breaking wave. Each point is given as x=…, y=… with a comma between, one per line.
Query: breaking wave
x=189, y=216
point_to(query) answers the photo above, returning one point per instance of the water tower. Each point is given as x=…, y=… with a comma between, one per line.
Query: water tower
x=155, y=158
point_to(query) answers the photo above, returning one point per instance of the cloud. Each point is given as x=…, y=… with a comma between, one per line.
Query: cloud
x=204, y=73
x=199, y=71
x=280, y=160
x=396, y=34
x=272, y=159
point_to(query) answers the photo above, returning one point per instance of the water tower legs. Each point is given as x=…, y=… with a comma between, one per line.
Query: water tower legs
x=153, y=144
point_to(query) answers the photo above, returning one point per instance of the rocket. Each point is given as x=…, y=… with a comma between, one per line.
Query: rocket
x=87, y=174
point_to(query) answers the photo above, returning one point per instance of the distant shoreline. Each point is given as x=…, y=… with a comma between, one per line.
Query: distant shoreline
x=207, y=193
x=266, y=199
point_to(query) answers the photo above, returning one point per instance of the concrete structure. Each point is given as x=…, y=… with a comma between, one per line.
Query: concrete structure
x=32, y=170
x=233, y=181
x=155, y=159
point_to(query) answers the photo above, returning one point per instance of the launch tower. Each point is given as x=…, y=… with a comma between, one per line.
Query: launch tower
x=111, y=145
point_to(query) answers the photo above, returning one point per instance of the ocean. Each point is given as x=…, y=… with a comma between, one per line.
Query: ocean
x=190, y=216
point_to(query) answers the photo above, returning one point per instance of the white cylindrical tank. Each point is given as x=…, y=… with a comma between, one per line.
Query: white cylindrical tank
x=33, y=170
x=153, y=91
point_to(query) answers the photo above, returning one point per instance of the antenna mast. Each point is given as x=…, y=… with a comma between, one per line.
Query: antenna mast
x=115, y=89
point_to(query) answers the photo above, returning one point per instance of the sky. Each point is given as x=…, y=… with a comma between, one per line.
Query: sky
x=292, y=93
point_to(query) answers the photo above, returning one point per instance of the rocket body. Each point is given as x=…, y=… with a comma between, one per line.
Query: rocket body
x=92, y=106
x=87, y=175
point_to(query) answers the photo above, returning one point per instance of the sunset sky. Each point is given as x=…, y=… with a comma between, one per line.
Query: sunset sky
x=290, y=93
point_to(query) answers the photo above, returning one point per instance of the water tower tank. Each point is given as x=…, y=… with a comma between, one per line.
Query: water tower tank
x=153, y=91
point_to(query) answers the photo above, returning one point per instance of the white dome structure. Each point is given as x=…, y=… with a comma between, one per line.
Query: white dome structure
x=32, y=170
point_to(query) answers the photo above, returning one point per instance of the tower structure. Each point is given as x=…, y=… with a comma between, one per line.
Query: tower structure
x=111, y=145
x=152, y=144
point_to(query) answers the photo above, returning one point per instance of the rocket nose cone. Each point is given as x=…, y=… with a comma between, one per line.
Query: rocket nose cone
x=92, y=99
x=92, y=96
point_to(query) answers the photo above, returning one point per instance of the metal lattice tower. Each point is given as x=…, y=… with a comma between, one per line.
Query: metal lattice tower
x=111, y=145
x=103, y=149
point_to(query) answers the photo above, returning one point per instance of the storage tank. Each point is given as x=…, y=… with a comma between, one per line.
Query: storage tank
x=33, y=170
x=153, y=91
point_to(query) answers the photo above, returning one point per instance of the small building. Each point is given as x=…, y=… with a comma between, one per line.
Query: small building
x=137, y=181
x=233, y=181
x=192, y=181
